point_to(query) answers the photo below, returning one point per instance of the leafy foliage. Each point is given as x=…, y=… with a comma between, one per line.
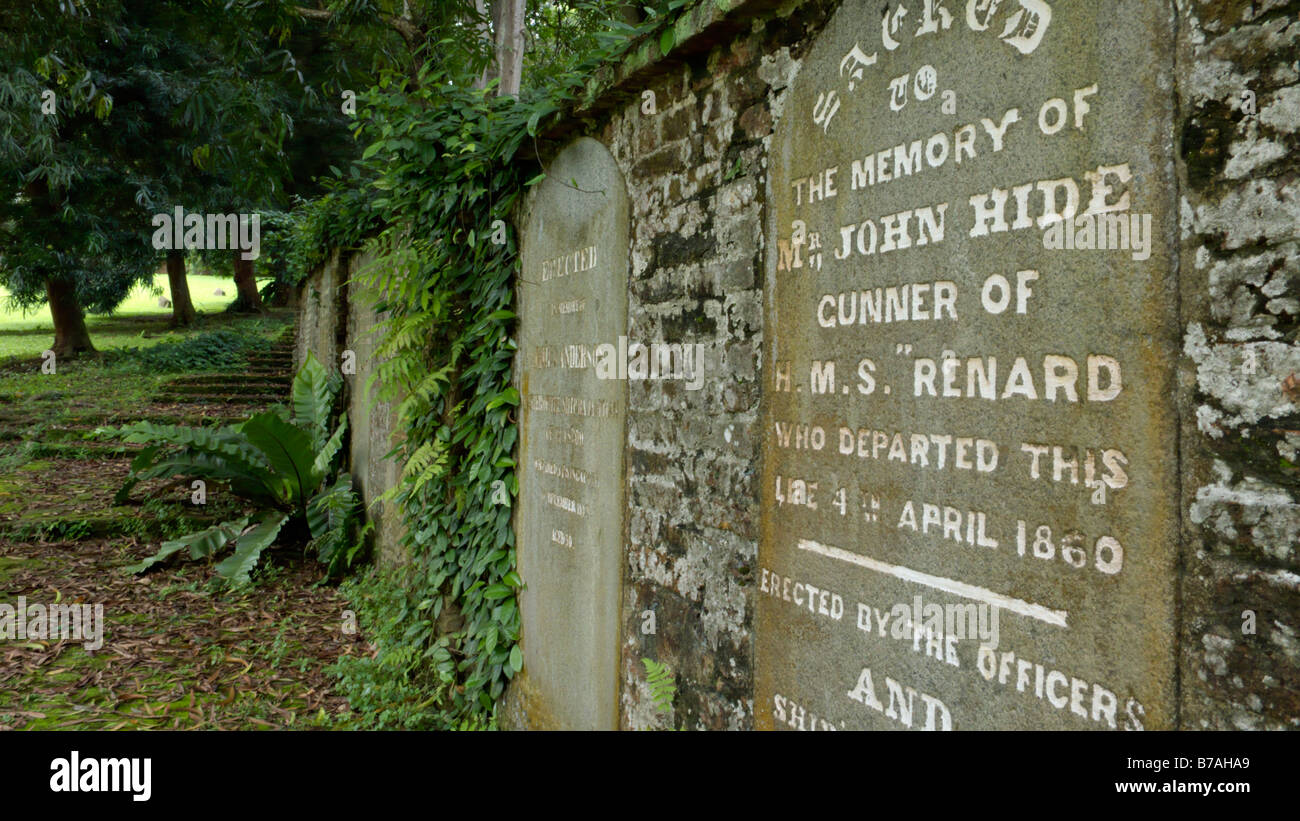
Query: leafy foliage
x=443, y=162
x=113, y=112
x=275, y=460
x=394, y=689
x=446, y=170
x=340, y=219
x=211, y=350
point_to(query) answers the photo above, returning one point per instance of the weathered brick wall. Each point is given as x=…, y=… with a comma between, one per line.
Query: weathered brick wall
x=335, y=319
x=319, y=310
x=696, y=174
x=1239, y=93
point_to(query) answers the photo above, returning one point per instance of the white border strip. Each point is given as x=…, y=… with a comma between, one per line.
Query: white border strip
x=969, y=591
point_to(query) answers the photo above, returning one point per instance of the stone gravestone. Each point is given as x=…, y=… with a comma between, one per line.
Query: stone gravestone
x=573, y=298
x=970, y=488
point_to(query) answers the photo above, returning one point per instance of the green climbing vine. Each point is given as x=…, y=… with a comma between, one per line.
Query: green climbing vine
x=445, y=165
x=435, y=189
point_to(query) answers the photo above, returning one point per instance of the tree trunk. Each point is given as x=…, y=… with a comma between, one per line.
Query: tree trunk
x=508, y=20
x=70, y=334
x=182, y=307
x=484, y=26
x=281, y=293
x=248, y=299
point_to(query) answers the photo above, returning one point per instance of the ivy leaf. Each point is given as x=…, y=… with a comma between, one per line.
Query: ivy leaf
x=666, y=41
x=507, y=396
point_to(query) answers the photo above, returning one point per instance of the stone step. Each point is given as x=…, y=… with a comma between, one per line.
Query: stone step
x=121, y=520
x=192, y=419
x=239, y=378
x=64, y=434
x=222, y=399
x=83, y=450
x=258, y=388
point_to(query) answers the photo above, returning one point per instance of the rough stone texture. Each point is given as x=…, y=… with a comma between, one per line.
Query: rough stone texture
x=696, y=177
x=373, y=427
x=320, y=306
x=696, y=174
x=1240, y=402
x=331, y=322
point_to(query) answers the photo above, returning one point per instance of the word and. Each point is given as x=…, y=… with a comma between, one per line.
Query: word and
x=902, y=702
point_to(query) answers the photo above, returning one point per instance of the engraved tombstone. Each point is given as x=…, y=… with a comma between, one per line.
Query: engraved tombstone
x=970, y=477
x=572, y=298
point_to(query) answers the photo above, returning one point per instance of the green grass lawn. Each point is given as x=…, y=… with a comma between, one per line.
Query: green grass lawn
x=27, y=334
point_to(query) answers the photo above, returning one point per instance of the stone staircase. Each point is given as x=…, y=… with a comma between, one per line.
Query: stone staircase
x=265, y=381
x=67, y=484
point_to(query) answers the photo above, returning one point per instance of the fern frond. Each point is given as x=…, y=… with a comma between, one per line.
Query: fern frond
x=663, y=685
x=428, y=461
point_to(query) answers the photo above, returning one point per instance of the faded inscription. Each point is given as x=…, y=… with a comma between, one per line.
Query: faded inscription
x=970, y=497
x=570, y=520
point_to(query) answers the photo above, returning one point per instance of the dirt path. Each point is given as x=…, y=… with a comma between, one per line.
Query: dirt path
x=178, y=650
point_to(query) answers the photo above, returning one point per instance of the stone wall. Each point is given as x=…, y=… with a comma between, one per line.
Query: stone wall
x=335, y=320
x=322, y=308
x=1239, y=97
x=692, y=132
x=696, y=176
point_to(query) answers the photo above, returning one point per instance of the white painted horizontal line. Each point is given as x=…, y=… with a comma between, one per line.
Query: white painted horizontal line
x=969, y=591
